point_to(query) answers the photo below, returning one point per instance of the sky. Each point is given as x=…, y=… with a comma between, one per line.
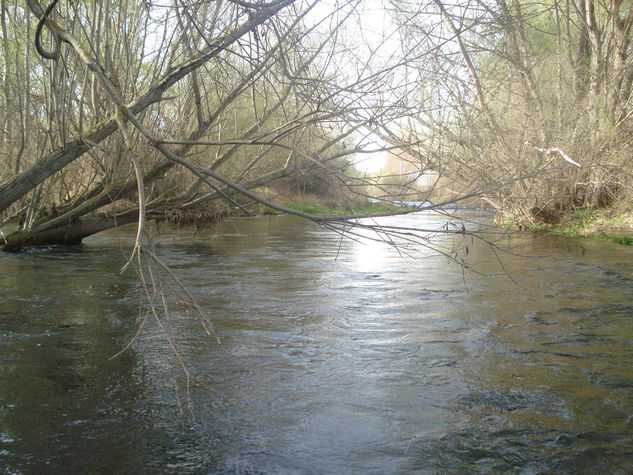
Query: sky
x=373, y=31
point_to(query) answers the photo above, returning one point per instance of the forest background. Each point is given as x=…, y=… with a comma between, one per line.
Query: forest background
x=121, y=111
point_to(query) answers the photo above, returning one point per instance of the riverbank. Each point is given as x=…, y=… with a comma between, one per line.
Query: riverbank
x=318, y=206
x=603, y=225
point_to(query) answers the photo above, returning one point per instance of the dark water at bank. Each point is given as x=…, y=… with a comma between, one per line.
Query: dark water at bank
x=336, y=357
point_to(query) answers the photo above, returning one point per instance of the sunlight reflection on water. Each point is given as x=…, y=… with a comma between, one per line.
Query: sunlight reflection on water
x=336, y=356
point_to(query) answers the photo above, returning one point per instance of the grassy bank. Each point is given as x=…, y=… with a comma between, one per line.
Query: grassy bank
x=603, y=225
x=318, y=206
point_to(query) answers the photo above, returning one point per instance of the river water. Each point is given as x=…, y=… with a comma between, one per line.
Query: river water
x=336, y=357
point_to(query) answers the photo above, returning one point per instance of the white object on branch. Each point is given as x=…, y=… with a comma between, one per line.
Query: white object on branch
x=549, y=150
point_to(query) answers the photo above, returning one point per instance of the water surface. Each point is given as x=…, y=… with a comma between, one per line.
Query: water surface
x=335, y=357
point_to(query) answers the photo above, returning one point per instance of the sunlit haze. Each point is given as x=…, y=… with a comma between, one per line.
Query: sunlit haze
x=371, y=163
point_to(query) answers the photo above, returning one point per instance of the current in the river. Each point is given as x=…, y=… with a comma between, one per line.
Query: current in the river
x=336, y=356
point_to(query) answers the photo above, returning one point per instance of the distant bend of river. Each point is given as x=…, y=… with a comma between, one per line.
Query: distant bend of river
x=335, y=357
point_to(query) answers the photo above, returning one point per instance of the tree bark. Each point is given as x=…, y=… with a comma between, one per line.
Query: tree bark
x=71, y=233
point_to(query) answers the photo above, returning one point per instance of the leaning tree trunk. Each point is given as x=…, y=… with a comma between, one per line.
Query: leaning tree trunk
x=71, y=233
x=20, y=185
x=73, y=223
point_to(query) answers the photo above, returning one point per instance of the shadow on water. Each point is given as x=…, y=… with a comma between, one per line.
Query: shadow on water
x=336, y=356
x=64, y=313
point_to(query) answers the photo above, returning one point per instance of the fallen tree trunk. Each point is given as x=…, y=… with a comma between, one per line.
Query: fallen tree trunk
x=71, y=233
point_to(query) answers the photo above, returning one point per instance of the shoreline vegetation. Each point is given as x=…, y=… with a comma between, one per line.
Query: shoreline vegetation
x=317, y=206
x=601, y=225
x=586, y=222
x=311, y=204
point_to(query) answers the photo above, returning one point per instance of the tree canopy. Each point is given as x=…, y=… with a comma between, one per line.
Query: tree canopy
x=114, y=112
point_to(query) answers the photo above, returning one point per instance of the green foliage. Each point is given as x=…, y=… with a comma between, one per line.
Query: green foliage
x=309, y=206
x=591, y=223
x=617, y=239
x=575, y=224
x=625, y=240
x=583, y=215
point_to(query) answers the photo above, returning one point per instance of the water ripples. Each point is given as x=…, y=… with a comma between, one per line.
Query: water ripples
x=336, y=357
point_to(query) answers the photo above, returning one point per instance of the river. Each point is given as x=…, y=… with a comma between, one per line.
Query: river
x=336, y=356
